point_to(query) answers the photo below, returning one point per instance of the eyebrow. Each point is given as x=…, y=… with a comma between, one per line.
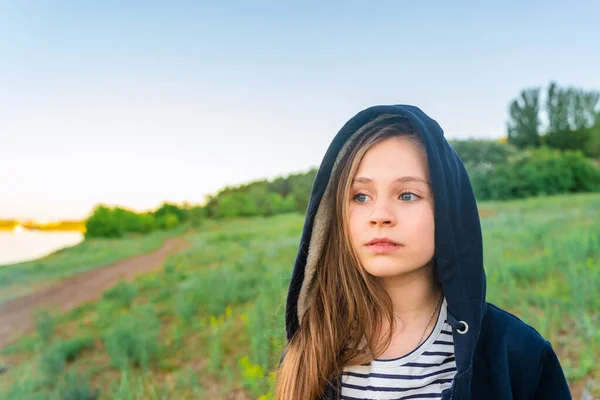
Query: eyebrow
x=402, y=179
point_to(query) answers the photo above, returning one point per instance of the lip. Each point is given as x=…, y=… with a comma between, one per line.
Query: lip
x=383, y=248
x=383, y=245
x=381, y=241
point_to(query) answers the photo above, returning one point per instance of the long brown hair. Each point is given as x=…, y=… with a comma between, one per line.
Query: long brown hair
x=344, y=322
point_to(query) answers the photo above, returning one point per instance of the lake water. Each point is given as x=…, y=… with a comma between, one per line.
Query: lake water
x=30, y=245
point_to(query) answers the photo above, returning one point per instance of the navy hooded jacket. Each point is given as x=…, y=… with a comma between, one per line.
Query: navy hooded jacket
x=497, y=355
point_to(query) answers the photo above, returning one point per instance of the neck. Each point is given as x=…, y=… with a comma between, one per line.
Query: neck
x=414, y=295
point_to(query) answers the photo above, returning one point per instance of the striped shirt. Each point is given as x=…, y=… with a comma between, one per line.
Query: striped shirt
x=421, y=374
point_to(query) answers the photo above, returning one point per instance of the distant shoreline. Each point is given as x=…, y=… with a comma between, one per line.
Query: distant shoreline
x=10, y=229
x=58, y=226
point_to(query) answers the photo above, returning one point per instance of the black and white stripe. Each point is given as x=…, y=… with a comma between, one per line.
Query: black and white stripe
x=422, y=374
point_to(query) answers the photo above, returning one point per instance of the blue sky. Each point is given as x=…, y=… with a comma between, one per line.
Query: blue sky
x=134, y=103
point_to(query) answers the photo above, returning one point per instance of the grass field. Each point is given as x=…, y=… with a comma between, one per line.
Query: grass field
x=210, y=323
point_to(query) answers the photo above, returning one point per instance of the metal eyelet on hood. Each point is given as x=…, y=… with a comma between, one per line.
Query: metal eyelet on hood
x=465, y=329
x=459, y=326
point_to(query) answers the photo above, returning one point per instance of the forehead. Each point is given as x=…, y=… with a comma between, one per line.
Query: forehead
x=393, y=157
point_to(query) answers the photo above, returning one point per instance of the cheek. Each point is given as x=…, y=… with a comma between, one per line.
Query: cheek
x=423, y=227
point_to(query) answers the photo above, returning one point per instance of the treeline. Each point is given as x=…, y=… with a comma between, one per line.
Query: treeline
x=261, y=197
x=537, y=158
x=116, y=222
x=501, y=171
x=498, y=171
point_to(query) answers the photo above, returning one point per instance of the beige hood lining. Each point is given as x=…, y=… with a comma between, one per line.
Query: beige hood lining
x=322, y=223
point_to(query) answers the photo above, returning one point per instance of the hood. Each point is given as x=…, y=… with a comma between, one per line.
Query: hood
x=458, y=241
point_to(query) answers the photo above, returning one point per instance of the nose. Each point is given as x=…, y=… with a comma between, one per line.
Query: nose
x=383, y=214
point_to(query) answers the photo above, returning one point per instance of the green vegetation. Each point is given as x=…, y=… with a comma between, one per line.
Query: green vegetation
x=18, y=279
x=116, y=222
x=210, y=323
x=261, y=197
x=499, y=171
x=572, y=119
x=533, y=172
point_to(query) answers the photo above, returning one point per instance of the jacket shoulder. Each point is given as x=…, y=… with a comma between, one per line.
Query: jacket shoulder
x=501, y=325
x=506, y=336
x=511, y=348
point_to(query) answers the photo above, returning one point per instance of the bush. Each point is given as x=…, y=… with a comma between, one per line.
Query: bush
x=262, y=197
x=586, y=140
x=535, y=172
x=134, y=339
x=122, y=294
x=45, y=325
x=476, y=152
x=115, y=222
x=53, y=362
x=77, y=387
x=235, y=205
x=104, y=223
x=166, y=209
x=196, y=215
x=70, y=349
x=26, y=389
x=586, y=175
x=52, y=366
x=167, y=221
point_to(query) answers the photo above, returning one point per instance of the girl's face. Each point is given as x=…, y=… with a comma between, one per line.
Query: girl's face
x=391, y=198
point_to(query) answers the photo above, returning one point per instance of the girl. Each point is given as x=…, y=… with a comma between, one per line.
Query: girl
x=387, y=295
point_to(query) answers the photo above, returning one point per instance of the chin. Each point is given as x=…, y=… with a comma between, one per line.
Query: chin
x=387, y=268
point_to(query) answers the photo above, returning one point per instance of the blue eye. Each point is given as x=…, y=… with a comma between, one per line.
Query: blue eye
x=359, y=195
x=406, y=196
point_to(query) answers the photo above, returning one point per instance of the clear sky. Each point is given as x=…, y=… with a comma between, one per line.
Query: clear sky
x=134, y=103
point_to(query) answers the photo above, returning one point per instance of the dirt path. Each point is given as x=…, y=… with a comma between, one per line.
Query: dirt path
x=17, y=316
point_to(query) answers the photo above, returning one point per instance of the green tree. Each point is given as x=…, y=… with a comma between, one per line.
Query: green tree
x=235, y=205
x=557, y=108
x=301, y=188
x=115, y=222
x=573, y=120
x=167, y=221
x=281, y=185
x=260, y=200
x=196, y=215
x=171, y=209
x=103, y=222
x=482, y=151
x=593, y=147
x=147, y=223
x=524, y=123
